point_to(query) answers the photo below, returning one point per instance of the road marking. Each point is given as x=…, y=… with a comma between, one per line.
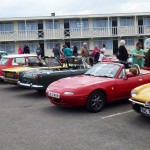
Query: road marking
x=110, y=116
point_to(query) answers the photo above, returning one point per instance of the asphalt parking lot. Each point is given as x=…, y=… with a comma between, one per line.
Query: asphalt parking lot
x=28, y=121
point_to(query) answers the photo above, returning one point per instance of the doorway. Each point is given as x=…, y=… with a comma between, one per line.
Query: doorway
x=41, y=43
x=115, y=46
x=40, y=29
x=67, y=28
x=67, y=43
x=114, y=26
x=142, y=41
x=140, y=24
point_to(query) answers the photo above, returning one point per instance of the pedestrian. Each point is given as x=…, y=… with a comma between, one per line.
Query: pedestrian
x=138, y=55
x=56, y=51
x=20, y=50
x=96, y=53
x=39, y=51
x=26, y=49
x=122, y=54
x=75, y=50
x=103, y=49
x=67, y=51
x=85, y=52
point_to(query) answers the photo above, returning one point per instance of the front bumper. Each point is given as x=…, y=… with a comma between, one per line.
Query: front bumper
x=10, y=80
x=30, y=85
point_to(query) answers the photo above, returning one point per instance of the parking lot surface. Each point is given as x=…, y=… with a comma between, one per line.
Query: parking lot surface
x=28, y=121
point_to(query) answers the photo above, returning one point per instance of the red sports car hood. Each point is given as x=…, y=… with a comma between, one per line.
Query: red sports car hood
x=79, y=81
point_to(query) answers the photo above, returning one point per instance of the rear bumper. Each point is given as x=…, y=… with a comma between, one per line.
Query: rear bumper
x=10, y=80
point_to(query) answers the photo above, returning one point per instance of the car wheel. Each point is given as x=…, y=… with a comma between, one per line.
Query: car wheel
x=96, y=101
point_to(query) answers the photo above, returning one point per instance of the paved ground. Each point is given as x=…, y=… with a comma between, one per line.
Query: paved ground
x=28, y=121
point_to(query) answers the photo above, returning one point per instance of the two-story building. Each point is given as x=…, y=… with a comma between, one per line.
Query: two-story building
x=94, y=29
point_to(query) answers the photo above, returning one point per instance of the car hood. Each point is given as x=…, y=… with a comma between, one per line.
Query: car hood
x=143, y=93
x=79, y=81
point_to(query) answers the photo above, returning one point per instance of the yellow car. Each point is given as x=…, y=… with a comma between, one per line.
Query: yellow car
x=140, y=98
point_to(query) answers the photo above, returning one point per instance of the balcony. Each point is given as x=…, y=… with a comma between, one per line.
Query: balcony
x=74, y=33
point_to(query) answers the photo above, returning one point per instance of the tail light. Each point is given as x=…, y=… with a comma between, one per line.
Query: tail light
x=16, y=75
x=36, y=78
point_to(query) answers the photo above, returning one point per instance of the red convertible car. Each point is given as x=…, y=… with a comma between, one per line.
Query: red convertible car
x=103, y=83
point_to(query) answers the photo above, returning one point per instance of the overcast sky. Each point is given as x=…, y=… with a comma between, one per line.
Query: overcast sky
x=34, y=8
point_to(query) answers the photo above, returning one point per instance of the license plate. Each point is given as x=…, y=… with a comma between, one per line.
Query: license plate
x=9, y=75
x=145, y=110
x=55, y=95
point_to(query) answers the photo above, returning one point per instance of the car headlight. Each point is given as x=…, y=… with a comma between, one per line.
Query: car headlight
x=147, y=104
x=133, y=93
x=68, y=93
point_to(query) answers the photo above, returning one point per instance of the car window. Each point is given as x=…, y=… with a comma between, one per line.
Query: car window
x=18, y=61
x=4, y=61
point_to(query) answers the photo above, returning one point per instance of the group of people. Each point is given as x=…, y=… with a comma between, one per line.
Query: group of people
x=26, y=50
x=139, y=55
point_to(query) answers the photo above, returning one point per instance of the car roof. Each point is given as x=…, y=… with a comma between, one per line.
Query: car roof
x=19, y=55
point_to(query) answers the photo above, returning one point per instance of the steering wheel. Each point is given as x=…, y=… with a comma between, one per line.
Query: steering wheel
x=137, y=67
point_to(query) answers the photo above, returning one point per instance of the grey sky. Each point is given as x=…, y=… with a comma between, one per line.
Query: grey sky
x=27, y=8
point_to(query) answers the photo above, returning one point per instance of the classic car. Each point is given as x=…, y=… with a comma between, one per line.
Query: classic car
x=11, y=75
x=40, y=79
x=103, y=83
x=10, y=61
x=140, y=98
x=3, y=53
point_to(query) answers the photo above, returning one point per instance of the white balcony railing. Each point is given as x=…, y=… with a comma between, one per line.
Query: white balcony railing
x=74, y=33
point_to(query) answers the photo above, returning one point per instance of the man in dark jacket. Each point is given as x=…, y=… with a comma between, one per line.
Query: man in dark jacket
x=56, y=51
x=123, y=54
x=26, y=49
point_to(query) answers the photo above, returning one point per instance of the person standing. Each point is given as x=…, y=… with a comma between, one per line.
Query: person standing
x=67, y=51
x=39, y=51
x=85, y=52
x=20, y=50
x=123, y=54
x=26, y=49
x=103, y=49
x=96, y=53
x=138, y=55
x=75, y=50
x=56, y=51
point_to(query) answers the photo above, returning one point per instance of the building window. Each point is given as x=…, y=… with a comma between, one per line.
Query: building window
x=107, y=42
x=51, y=44
x=103, y=22
x=126, y=21
x=129, y=41
x=30, y=26
x=146, y=21
x=9, y=27
x=77, y=24
x=49, y=24
x=8, y=47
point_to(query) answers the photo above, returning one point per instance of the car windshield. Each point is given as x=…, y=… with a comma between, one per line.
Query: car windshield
x=52, y=61
x=103, y=70
x=33, y=60
x=4, y=61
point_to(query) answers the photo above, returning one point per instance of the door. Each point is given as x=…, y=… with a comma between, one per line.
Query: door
x=66, y=28
x=140, y=26
x=114, y=26
x=124, y=86
x=41, y=43
x=40, y=29
x=115, y=46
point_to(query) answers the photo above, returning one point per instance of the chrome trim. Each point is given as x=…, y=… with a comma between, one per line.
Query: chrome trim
x=2, y=77
x=10, y=79
x=29, y=85
x=136, y=102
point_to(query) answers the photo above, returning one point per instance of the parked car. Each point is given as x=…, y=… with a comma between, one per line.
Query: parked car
x=140, y=98
x=3, y=53
x=12, y=74
x=40, y=79
x=103, y=83
x=10, y=61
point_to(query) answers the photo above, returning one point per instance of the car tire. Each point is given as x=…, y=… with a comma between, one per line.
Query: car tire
x=96, y=101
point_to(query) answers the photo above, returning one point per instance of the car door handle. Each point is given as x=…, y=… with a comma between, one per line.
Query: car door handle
x=140, y=79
